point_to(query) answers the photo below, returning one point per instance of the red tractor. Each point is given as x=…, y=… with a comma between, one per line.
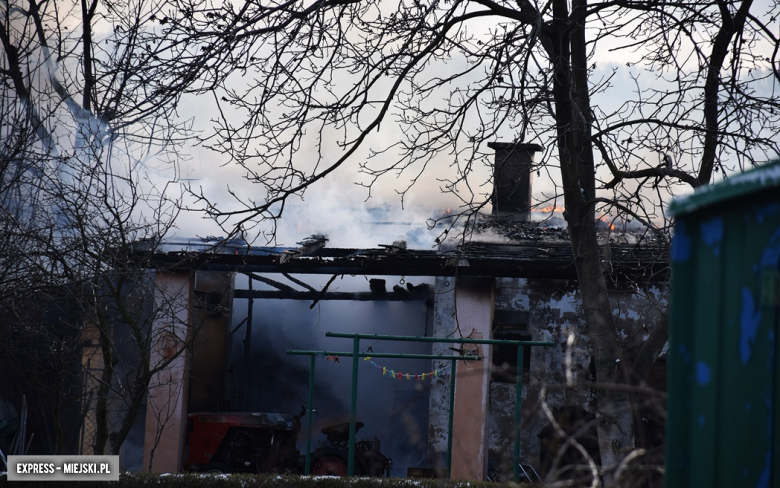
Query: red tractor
x=242, y=442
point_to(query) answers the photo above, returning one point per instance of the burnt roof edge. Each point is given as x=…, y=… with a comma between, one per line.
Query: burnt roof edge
x=559, y=267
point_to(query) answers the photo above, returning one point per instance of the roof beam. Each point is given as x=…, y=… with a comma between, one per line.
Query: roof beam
x=352, y=296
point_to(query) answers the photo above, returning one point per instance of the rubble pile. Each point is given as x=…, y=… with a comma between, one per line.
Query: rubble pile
x=554, y=231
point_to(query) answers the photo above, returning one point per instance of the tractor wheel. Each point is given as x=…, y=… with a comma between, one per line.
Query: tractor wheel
x=330, y=462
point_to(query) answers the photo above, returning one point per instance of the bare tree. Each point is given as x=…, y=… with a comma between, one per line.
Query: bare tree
x=162, y=412
x=84, y=144
x=96, y=312
x=455, y=74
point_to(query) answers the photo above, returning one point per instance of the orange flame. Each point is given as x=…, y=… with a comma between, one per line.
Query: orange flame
x=548, y=209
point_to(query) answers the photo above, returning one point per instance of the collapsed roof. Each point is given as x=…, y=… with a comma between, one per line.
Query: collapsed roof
x=498, y=249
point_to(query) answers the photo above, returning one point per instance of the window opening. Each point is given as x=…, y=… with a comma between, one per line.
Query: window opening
x=510, y=325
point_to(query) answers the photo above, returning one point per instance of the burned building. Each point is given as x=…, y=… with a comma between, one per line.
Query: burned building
x=544, y=305
x=514, y=279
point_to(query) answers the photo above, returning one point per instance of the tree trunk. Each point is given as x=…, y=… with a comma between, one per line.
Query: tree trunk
x=572, y=98
x=57, y=396
x=104, y=389
x=120, y=436
x=650, y=350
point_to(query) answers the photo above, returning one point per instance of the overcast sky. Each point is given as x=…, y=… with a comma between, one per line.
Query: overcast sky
x=339, y=208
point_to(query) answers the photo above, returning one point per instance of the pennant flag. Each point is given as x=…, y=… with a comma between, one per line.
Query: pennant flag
x=393, y=374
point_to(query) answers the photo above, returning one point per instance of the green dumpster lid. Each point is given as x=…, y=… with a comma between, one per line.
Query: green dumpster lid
x=757, y=179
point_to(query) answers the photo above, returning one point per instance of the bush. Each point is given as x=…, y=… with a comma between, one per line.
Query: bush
x=142, y=480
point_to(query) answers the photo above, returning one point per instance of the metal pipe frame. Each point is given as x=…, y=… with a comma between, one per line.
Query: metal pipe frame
x=518, y=413
x=453, y=340
x=448, y=340
x=399, y=355
x=356, y=354
x=307, y=467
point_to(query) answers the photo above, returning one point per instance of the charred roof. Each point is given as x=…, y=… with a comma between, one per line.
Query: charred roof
x=497, y=248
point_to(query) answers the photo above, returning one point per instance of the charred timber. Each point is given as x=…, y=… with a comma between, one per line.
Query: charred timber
x=543, y=262
x=348, y=296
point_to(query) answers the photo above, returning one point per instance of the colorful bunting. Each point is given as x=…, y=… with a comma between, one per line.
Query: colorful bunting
x=397, y=374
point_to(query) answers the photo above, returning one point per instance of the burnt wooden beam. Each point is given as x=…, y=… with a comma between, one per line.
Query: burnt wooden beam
x=552, y=265
x=333, y=295
x=299, y=282
x=268, y=281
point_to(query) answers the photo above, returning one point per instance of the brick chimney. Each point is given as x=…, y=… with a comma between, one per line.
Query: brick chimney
x=512, y=179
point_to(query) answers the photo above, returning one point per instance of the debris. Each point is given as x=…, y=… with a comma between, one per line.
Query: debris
x=377, y=285
x=401, y=291
x=395, y=247
x=311, y=244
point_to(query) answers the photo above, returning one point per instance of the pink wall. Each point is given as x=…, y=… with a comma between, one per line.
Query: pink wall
x=474, y=306
x=166, y=405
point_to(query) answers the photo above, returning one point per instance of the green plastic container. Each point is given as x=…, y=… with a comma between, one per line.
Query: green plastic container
x=724, y=375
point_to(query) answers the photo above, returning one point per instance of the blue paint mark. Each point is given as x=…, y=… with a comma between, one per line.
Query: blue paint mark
x=746, y=472
x=748, y=406
x=712, y=233
x=685, y=354
x=702, y=373
x=763, y=480
x=766, y=211
x=701, y=420
x=771, y=255
x=749, y=320
x=681, y=244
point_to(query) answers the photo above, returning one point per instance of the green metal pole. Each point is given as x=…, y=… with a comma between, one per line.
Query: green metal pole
x=379, y=355
x=356, y=354
x=452, y=411
x=454, y=340
x=353, y=406
x=307, y=469
x=353, y=409
x=518, y=411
